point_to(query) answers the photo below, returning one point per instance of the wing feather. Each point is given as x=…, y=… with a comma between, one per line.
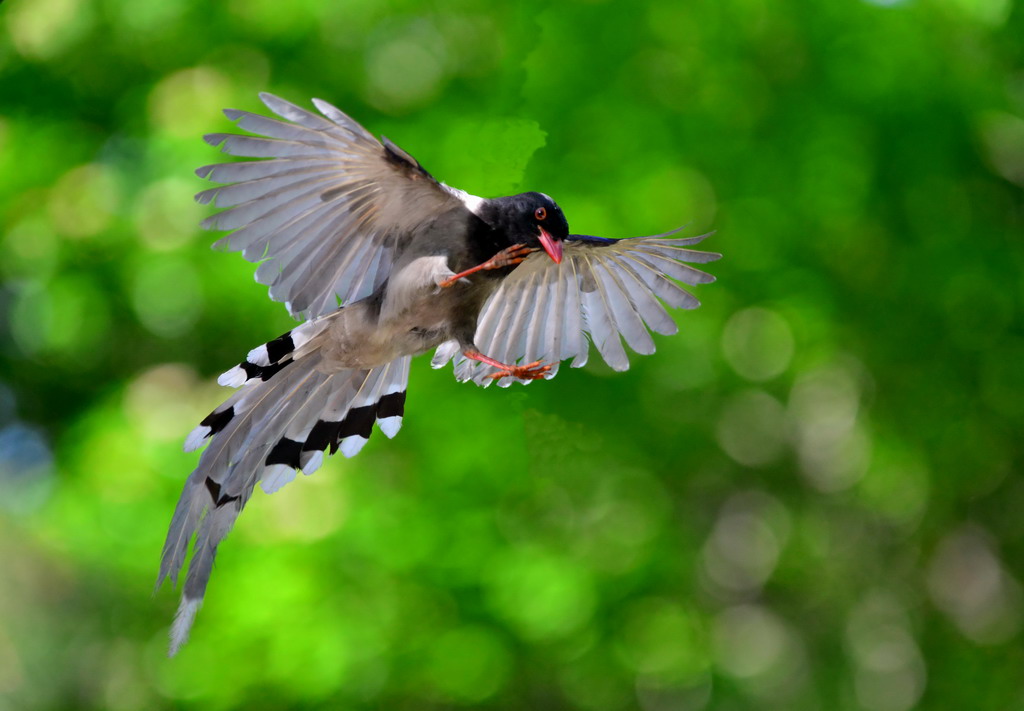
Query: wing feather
x=599, y=320
x=573, y=333
x=275, y=128
x=512, y=333
x=661, y=286
x=647, y=305
x=326, y=207
x=604, y=292
x=673, y=269
x=265, y=187
x=253, y=147
x=627, y=320
x=541, y=343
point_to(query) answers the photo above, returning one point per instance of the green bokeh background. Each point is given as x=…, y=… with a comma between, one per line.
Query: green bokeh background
x=811, y=498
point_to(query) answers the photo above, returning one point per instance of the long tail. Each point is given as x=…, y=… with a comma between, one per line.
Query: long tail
x=286, y=412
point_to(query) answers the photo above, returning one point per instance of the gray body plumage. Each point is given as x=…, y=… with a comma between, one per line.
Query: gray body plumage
x=334, y=216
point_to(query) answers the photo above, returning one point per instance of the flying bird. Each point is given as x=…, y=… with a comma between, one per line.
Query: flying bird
x=381, y=262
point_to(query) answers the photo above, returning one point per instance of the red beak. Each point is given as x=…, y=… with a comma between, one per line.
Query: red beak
x=552, y=246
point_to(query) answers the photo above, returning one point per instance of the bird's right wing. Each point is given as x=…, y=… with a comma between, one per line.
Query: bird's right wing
x=326, y=208
x=604, y=291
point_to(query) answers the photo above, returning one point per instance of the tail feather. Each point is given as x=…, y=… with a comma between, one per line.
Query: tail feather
x=184, y=522
x=183, y=620
x=391, y=405
x=281, y=419
x=265, y=361
x=214, y=527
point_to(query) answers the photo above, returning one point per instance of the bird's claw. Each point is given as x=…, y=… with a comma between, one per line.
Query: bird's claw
x=519, y=252
x=510, y=256
x=530, y=371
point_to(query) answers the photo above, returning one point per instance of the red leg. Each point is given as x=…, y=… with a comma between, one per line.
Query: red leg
x=530, y=371
x=510, y=256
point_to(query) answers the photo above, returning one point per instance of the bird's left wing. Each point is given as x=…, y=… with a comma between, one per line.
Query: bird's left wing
x=604, y=291
x=324, y=210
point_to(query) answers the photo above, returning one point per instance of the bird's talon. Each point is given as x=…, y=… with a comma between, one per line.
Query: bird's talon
x=519, y=252
x=530, y=371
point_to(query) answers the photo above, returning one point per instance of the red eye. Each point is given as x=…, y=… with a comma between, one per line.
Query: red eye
x=540, y=213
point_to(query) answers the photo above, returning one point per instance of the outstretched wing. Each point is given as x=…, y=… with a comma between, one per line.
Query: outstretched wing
x=327, y=207
x=604, y=291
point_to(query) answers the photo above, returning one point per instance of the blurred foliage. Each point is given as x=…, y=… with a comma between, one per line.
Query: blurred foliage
x=809, y=499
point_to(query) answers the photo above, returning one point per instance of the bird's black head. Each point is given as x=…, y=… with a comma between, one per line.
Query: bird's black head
x=532, y=219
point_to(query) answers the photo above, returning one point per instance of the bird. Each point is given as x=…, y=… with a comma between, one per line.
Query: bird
x=381, y=262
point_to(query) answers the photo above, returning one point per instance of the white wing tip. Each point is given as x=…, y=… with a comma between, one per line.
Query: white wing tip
x=196, y=438
x=390, y=425
x=259, y=355
x=183, y=620
x=233, y=378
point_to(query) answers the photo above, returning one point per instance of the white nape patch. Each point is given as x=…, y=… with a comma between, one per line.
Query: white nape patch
x=196, y=438
x=276, y=476
x=390, y=425
x=472, y=202
x=311, y=461
x=183, y=620
x=259, y=356
x=233, y=378
x=350, y=446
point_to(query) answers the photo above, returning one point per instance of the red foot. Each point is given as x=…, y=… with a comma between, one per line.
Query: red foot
x=530, y=371
x=508, y=257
